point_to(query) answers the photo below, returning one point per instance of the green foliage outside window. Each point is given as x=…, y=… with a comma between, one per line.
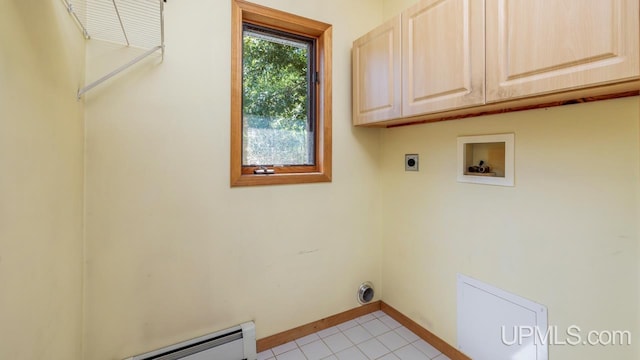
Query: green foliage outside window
x=275, y=84
x=276, y=124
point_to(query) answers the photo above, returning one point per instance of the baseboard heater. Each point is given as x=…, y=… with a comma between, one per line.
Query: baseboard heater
x=236, y=343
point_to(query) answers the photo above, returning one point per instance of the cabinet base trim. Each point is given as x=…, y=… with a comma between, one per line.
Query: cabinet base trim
x=582, y=96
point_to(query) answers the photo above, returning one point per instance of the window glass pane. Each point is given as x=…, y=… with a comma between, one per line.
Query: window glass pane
x=277, y=127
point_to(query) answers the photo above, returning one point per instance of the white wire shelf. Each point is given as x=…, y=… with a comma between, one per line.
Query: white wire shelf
x=134, y=23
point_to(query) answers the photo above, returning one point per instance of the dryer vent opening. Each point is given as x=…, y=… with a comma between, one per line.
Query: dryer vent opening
x=365, y=292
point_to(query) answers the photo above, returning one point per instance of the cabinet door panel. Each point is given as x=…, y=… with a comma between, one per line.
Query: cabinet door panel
x=443, y=55
x=377, y=75
x=545, y=46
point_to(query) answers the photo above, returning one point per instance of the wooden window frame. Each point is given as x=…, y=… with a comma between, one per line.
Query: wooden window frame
x=245, y=12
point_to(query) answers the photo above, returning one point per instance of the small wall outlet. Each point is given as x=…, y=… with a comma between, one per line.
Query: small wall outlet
x=411, y=162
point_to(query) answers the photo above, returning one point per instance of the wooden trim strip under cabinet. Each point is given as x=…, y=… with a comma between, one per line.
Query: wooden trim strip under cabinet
x=313, y=327
x=551, y=100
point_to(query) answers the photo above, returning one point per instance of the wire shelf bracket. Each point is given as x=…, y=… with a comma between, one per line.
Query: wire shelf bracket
x=133, y=23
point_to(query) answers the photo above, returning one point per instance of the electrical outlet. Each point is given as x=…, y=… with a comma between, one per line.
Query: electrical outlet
x=411, y=162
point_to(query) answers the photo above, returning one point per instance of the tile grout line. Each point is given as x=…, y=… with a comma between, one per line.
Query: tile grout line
x=357, y=322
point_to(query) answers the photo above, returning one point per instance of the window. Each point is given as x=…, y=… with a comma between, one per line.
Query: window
x=278, y=85
x=280, y=97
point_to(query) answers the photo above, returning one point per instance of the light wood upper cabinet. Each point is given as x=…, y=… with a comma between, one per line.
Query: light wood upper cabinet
x=446, y=59
x=546, y=46
x=442, y=56
x=377, y=75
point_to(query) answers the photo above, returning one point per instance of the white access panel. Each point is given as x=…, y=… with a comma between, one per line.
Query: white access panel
x=491, y=323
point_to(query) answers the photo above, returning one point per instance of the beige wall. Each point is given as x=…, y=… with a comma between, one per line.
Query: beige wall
x=41, y=182
x=391, y=8
x=173, y=252
x=565, y=236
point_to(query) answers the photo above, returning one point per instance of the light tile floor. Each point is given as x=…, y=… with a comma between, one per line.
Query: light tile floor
x=369, y=337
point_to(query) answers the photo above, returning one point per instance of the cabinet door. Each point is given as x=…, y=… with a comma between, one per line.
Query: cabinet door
x=546, y=46
x=442, y=56
x=376, y=75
